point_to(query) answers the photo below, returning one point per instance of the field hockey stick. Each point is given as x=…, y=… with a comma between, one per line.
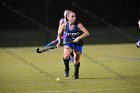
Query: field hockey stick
x=54, y=41
x=49, y=48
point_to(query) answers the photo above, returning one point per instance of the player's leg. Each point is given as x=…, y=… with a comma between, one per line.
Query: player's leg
x=67, y=51
x=76, y=64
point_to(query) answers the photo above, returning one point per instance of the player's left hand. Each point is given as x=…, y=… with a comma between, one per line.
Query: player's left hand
x=76, y=40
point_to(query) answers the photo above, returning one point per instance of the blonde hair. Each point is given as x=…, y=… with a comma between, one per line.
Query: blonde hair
x=70, y=11
x=65, y=12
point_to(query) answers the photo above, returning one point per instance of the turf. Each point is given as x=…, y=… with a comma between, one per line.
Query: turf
x=112, y=68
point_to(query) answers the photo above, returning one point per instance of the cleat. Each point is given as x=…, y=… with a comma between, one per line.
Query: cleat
x=76, y=76
x=66, y=73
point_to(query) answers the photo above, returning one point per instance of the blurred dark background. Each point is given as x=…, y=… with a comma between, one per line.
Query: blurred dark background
x=22, y=22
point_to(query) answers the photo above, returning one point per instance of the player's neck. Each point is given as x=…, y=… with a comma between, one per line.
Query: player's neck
x=71, y=23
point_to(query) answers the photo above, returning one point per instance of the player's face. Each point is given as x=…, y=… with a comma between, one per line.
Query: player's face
x=72, y=17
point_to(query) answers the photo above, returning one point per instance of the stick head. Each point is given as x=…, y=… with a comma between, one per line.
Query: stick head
x=46, y=49
x=38, y=50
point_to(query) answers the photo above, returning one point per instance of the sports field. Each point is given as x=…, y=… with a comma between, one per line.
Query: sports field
x=111, y=68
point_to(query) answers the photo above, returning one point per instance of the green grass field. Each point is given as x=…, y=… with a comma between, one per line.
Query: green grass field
x=113, y=68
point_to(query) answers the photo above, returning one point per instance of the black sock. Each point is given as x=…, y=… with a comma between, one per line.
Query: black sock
x=66, y=63
x=77, y=66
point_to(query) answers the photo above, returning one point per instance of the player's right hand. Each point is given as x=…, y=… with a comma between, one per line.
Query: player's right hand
x=58, y=44
x=58, y=39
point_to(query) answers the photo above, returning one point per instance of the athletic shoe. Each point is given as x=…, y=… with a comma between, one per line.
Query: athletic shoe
x=76, y=76
x=66, y=73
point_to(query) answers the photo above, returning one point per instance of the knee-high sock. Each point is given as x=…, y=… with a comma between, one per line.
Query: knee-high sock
x=77, y=66
x=66, y=63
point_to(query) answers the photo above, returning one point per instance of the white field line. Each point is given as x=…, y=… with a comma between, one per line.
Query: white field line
x=89, y=90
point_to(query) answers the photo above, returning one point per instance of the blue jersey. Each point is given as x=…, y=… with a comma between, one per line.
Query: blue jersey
x=72, y=34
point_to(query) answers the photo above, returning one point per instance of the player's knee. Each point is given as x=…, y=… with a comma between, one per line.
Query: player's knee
x=66, y=56
x=76, y=59
x=65, y=60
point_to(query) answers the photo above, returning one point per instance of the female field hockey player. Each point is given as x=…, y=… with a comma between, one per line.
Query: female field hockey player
x=75, y=32
x=63, y=20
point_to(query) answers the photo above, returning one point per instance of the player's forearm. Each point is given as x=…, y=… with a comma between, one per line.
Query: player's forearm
x=58, y=37
x=84, y=35
x=59, y=33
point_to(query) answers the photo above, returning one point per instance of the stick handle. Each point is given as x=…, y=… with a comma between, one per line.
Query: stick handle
x=54, y=41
